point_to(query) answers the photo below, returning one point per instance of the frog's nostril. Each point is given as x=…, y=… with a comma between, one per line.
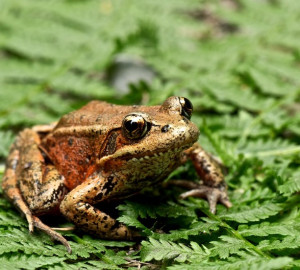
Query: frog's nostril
x=165, y=128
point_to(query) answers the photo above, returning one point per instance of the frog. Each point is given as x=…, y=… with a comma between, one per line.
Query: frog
x=105, y=152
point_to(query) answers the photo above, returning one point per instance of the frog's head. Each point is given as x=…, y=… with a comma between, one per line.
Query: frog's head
x=151, y=138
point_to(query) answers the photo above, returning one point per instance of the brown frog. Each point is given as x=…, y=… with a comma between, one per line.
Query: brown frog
x=103, y=152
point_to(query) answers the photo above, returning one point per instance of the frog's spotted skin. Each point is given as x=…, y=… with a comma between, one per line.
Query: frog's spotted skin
x=103, y=152
x=33, y=187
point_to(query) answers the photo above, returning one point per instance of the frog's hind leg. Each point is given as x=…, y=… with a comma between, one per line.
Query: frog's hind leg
x=33, y=187
x=10, y=187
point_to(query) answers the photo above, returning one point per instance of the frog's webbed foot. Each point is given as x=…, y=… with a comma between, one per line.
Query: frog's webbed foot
x=212, y=194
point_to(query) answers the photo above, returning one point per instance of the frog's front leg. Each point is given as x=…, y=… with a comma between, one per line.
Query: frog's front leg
x=78, y=207
x=214, y=188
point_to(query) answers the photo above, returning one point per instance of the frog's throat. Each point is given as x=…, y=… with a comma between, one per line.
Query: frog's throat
x=123, y=154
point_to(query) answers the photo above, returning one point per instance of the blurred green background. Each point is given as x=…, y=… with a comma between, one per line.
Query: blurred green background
x=228, y=57
x=238, y=61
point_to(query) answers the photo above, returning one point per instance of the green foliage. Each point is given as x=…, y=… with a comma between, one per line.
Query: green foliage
x=236, y=60
x=162, y=249
x=251, y=263
x=6, y=139
x=20, y=261
x=227, y=246
x=252, y=213
x=266, y=228
x=292, y=185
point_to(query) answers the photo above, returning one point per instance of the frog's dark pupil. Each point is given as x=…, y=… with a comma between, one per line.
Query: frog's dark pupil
x=131, y=125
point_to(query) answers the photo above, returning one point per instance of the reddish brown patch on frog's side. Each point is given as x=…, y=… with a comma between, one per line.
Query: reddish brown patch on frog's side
x=73, y=157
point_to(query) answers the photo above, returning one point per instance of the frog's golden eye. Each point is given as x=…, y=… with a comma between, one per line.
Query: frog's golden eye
x=134, y=126
x=187, y=107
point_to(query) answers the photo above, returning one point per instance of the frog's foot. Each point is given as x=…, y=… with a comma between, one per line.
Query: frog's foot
x=53, y=234
x=212, y=194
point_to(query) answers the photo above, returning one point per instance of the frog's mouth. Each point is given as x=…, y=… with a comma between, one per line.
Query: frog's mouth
x=162, y=155
x=159, y=154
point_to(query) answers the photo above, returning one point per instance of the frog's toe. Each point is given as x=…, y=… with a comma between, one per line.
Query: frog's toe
x=212, y=194
x=30, y=227
x=53, y=234
x=216, y=195
x=225, y=200
x=30, y=223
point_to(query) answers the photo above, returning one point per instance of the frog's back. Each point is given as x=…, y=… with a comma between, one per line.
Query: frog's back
x=95, y=113
x=98, y=114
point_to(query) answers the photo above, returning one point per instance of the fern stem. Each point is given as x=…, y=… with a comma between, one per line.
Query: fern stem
x=77, y=239
x=235, y=233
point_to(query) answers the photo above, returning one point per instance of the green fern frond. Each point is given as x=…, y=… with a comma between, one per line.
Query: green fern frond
x=226, y=91
x=9, y=218
x=248, y=196
x=158, y=250
x=266, y=228
x=263, y=148
x=198, y=228
x=291, y=186
x=21, y=261
x=6, y=139
x=227, y=246
x=134, y=222
x=88, y=264
x=230, y=126
x=222, y=148
x=290, y=242
x=170, y=209
x=249, y=214
x=253, y=263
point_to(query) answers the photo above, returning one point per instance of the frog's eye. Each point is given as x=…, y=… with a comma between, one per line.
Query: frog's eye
x=134, y=126
x=187, y=107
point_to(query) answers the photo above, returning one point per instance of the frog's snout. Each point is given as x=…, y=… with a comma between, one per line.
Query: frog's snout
x=182, y=133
